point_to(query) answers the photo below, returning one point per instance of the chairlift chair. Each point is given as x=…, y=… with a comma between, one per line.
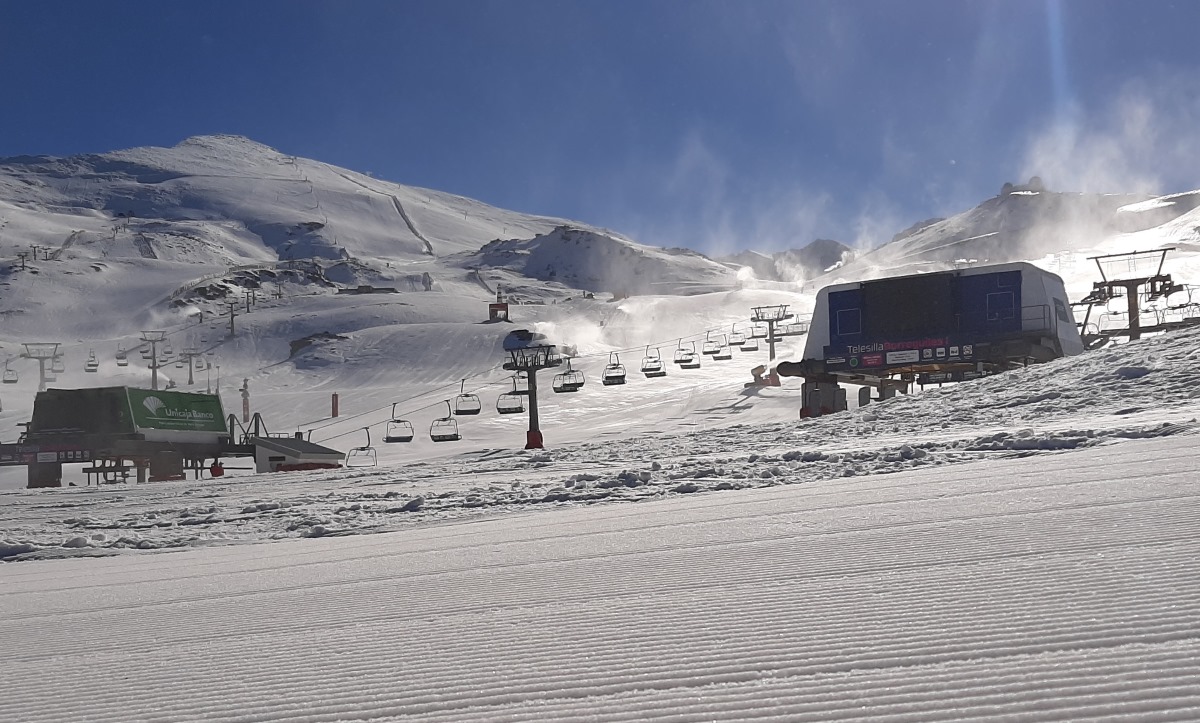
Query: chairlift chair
x=445, y=429
x=686, y=357
x=147, y=353
x=511, y=402
x=122, y=356
x=758, y=330
x=652, y=364
x=92, y=364
x=614, y=372
x=571, y=380
x=167, y=350
x=10, y=375
x=362, y=456
x=711, y=346
x=724, y=353
x=750, y=345
x=466, y=404
x=398, y=430
x=735, y=338
x=57, y=366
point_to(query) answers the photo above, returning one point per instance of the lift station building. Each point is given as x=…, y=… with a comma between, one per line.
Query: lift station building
x=931, y=328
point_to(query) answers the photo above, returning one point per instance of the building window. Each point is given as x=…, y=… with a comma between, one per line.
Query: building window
x=849, y=322
x=1061, y=309
x=1000, y=306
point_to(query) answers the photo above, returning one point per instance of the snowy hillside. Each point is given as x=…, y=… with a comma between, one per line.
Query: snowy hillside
x=1019, y=547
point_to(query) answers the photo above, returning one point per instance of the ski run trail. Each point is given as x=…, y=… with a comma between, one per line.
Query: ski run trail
x=1022, y=547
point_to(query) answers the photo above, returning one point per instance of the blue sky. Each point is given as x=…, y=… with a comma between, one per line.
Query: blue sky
x=713, y=125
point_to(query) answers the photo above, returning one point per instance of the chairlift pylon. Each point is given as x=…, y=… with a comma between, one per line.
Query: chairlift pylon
x=362, y=456
x=466, y=404
x=571, y=380
x=686, y=356
x=652, y=364
x=614, y=371
x=511, y=402
x=398, y=430
x=445, y=429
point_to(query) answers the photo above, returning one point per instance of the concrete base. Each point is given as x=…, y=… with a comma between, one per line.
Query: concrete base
x=822, y=398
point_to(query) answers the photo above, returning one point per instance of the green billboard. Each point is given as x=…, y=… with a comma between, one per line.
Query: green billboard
x=176, y=411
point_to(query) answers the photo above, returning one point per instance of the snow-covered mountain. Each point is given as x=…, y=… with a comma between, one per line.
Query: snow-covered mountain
x=1017, y=547
x=812, y=260
x=1029, y=222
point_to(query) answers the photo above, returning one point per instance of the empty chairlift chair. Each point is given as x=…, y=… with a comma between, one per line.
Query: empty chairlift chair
x=724, y=353
x=512, y=402
x=57, y=366
x=362, y=456
x=686, y=356
x=614, y=372
x=735, y=338
x=466, y=404
x=10, y=375
x=652, y=364
x=122, y=356
x=398, y=430
x=758, y=330
x=571, y=380
x=750, y=344
x=711, y=345
x=445, y=429
x=92, y=364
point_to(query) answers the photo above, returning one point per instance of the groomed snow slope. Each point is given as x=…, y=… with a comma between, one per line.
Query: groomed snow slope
x=1063, y=587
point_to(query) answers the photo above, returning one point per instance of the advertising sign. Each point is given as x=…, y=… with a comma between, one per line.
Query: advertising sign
x=176, y=411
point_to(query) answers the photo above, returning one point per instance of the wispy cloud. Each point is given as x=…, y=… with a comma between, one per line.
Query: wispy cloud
x=1144, y=140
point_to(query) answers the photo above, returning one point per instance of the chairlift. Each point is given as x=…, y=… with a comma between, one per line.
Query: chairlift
x=57, y=366
x=179, y=364
x=398, y=430
x=92, y=365
x=466, y=404
x=122, y=356
x=711, y=346
x=147, y=353
x=758, y=330
x=167, y=350
x=10, y=375
x=614, y=372
x=569, y=381
x=686, y=357
x=521, y=383
x=735, y=338
x=750, y=345
x=511, y=402
x=724, y=353
x=795, y=328
x=445, y=429
x=362, y=456
x=652, y=364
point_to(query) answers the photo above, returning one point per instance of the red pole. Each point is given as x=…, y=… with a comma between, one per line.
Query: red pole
x=335, y=405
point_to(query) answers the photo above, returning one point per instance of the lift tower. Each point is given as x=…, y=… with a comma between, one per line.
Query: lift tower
x=528, y=352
